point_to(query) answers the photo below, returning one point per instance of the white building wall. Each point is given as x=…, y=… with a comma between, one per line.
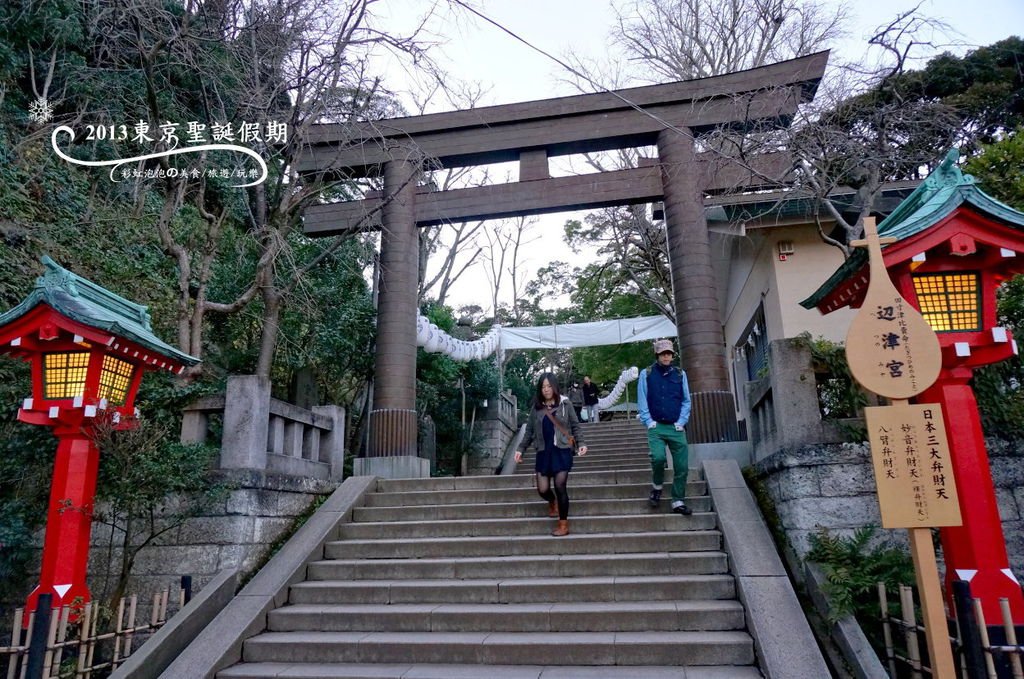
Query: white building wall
x=810, y=265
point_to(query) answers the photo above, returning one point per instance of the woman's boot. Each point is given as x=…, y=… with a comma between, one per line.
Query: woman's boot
x=562, y=529
x=553, y=509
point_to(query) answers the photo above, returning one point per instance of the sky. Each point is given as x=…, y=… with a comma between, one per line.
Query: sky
x=476, y=51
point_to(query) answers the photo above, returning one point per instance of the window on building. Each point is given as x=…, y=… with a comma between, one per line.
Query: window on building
x=754, y=345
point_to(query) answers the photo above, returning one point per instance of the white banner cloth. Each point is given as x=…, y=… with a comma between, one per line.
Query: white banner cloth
x=593, y=334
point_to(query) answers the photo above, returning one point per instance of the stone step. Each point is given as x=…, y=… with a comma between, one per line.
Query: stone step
x=516, y=590
x=605, y=455
x=458, y=578
x=435, y=671
x=546, y=648
x=578, y=565
x=583, y=464
x=639, y=437
x=454, y=528
x=524, y=494
x=626, y=616
x=594, y=543
x=625, y=424
x=517, y=480
x=529, y=506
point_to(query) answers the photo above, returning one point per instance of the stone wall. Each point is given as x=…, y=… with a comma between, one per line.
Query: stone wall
x=832, y=486
x=238, y=532
x=495, y=437
x=497, y=429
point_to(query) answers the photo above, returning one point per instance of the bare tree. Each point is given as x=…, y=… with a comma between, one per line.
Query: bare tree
x=669, y=40
x=287, y=67
x=887, y=131
x=686, y=39
x=503, y=257
x=463, y=241
x=635, y=252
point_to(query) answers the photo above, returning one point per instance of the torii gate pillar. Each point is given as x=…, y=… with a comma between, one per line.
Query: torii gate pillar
x=391, y=449
x=531, y=133
x=698, y=321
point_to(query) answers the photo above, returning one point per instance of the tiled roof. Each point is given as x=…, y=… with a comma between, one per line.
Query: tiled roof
x=85, y=302
x=945, y=189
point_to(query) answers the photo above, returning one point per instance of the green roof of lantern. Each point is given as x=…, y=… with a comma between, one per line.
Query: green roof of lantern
x=85, y=302
x=945, y=189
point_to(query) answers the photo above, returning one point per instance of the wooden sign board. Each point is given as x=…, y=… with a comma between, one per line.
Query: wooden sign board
x=913, y=468
x=891, y=349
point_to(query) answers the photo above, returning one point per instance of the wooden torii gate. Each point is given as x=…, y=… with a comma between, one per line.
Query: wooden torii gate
x=667, y=116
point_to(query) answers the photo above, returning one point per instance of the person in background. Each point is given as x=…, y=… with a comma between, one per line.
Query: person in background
x=551, y=423
x=576, y=398
x=590, y=399
x=663, y=399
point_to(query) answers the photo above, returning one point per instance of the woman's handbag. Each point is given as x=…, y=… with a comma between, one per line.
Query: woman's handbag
x=565, y=433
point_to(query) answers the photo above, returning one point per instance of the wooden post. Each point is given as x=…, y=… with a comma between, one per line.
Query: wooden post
x=910, y=630
x=990, y=664
x=893, y=352
x=890, y=651
x=933, y=609
x=1011, y=638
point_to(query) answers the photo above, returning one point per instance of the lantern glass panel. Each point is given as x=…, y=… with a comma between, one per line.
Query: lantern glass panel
x=950, y=302
x=115, y=378
x=64, y=374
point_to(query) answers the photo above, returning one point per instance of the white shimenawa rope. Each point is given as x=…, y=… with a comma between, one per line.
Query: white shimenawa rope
x=627, y=376
x=437, y=341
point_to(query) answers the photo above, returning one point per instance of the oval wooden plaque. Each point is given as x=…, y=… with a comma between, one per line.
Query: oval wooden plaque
x=891, y=349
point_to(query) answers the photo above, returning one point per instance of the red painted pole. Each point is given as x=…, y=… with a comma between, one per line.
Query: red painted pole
x=975, y=551
x=68, y=522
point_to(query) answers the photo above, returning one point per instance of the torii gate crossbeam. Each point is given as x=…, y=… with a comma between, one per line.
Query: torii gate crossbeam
x=667, y=116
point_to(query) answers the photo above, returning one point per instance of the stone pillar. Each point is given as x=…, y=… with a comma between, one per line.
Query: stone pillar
x=246, y=418
x=391, y=450
x=698, y=321
x=332, y=443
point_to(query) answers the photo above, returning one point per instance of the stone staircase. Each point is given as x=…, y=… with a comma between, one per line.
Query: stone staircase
x=459, y=578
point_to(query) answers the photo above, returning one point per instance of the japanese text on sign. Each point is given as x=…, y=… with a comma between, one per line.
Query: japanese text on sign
x=910, y=456
x=893, y=343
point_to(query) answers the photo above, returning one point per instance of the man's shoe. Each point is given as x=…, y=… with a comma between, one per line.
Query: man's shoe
x=655, y=497
x=681, y=508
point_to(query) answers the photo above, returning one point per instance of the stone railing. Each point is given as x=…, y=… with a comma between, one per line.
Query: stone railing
x=265, y=434
x=507, y=408
x=784, y=411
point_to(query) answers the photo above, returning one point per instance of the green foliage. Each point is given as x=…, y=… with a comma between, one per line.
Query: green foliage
x=327, y=328
x=839, y=396
x=999, y=388
x=452, y=394
x=997, y=169
x=985, y=86
x=853, y=568
x=148, y=485
x=26, y=462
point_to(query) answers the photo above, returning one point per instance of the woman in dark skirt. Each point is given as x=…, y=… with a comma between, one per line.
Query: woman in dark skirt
x=551, y=423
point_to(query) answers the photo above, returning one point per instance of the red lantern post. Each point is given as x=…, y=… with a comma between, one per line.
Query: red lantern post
x=88, y=349
x=954, y=246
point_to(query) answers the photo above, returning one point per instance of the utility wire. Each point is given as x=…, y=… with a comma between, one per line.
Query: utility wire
x=579, y=74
